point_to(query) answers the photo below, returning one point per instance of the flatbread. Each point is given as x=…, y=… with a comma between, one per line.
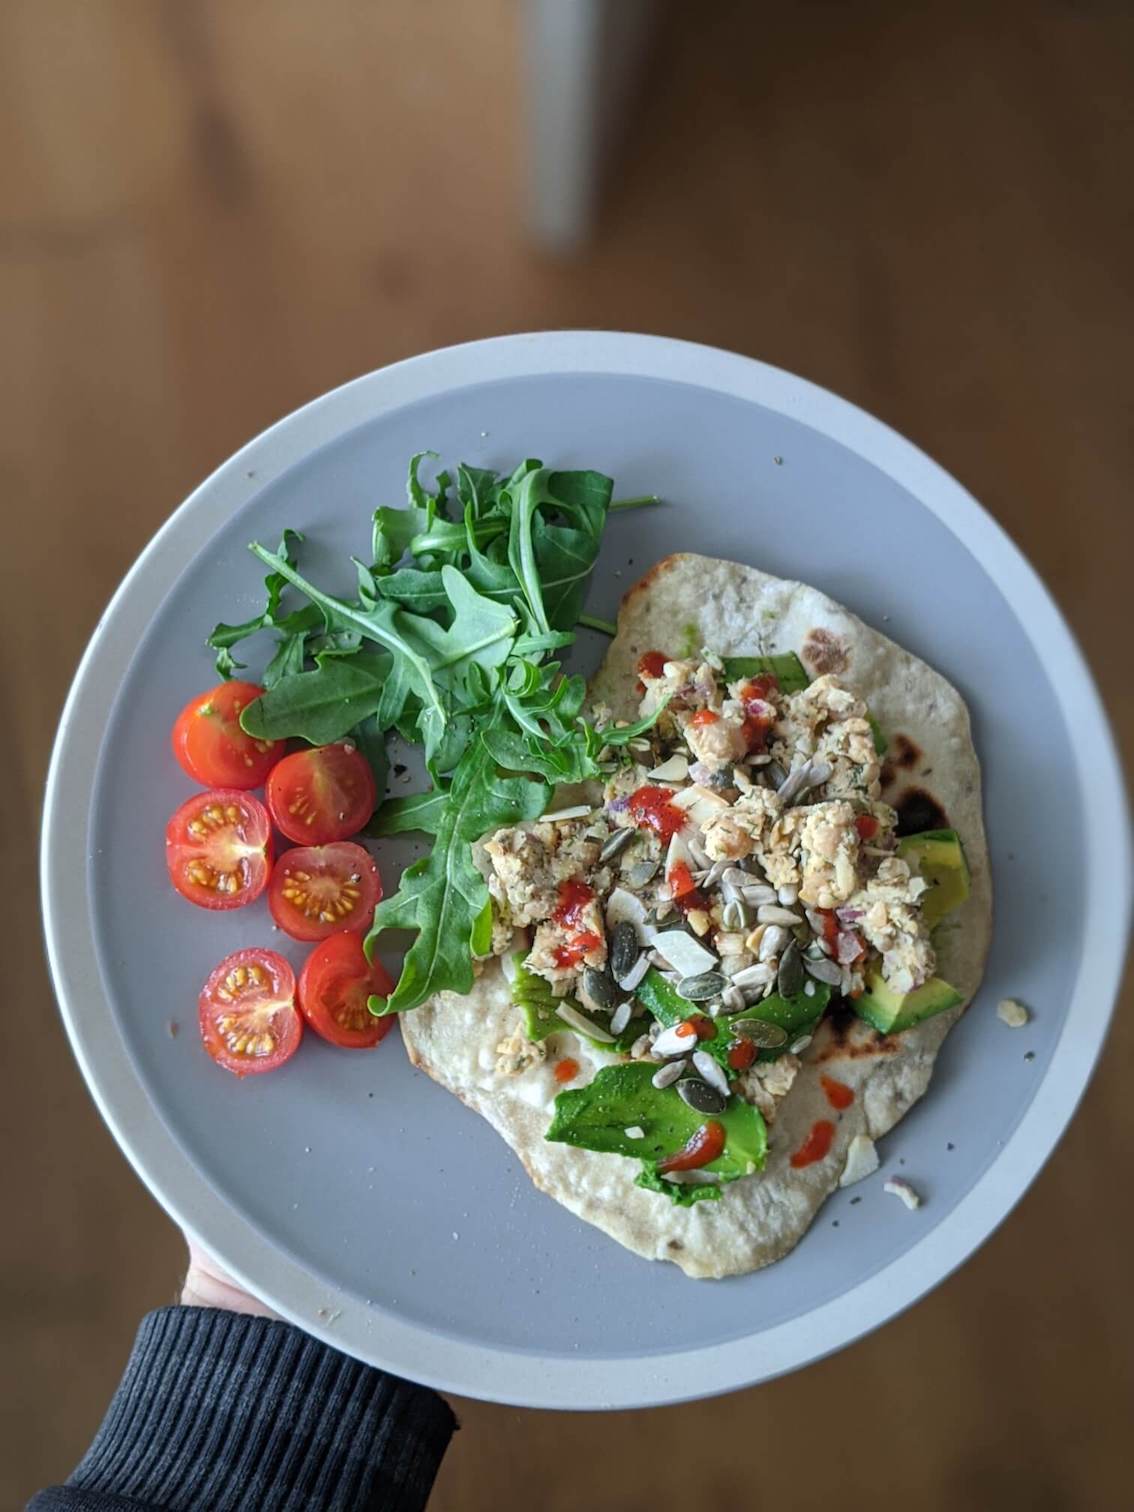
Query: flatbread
x=932, y=776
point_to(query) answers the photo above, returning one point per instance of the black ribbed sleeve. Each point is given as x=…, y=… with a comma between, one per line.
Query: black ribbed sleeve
x=226, y=1412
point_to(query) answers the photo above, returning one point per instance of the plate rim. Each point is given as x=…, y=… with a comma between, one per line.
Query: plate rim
x=514, y=1376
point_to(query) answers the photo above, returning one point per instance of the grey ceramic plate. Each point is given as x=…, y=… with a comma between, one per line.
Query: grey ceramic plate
x=353, y=1194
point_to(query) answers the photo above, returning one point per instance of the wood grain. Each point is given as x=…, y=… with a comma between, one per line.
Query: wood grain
x=213, y=211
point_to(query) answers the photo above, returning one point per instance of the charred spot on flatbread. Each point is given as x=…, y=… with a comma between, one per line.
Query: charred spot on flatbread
x=919, y=810
x=849, y=1038
x=823, y=651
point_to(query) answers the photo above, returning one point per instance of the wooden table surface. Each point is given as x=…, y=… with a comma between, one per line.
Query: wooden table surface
x=213, y=211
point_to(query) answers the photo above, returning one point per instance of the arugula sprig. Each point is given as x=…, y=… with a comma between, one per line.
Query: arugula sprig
x=470, y=590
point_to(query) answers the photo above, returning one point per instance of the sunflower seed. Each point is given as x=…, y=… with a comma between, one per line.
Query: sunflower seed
x=789, y=978
x=640, y=1048
x=736, y=915
x=624, y=947
x=772, y=913
x=788, y=895
x=797, y=1047
x=699, y=988
x=732, y=999
x=576, y=811
x=823, y=971
x=620, y=1018
x=711, y=1070
x=633, y=978
x=755, y=976
x=667, y=1075
x=772, y=941
x=617, y=843
x=761, y=1032
x=640, y=874
x=758, y=895
x=808, y=775
x=599, y=987
x=669, y=1043
x=701, y=1096
x=715, y=873
x=583, y=1025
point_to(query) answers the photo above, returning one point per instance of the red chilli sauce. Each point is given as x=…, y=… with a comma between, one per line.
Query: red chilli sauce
x=816, y=1145
x=651, y=809
x=566, y=1070
x=839, y=1095
x=704, y=1146
x=685, y=893
x=574, y=895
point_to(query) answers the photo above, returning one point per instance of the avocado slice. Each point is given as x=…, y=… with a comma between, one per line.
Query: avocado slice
x=890, y=1012
x=939, y=857
x=786, y=668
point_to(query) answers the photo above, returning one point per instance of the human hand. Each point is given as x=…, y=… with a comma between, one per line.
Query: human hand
x=208, y=1285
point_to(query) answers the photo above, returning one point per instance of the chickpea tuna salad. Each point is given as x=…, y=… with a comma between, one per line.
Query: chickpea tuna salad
x=690, y=939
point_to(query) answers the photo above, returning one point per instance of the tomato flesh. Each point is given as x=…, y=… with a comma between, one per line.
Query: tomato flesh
x=246, y=1009
x=218, y=848
x=322, y=795
x=211, y=746
x=320, y=890
x=334, y=985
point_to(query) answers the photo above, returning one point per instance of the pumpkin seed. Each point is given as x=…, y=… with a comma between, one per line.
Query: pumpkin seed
x=761, y=1032
x=623, y=948
x=699, y=1095
x=698, y=989
x=640, y=874
x=775, y=774
x=600, y=988
x=617, y=843
x=789, y=978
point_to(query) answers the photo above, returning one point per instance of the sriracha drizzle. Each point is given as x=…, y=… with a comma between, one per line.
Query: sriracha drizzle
x=816, y=1145
x=651, y=809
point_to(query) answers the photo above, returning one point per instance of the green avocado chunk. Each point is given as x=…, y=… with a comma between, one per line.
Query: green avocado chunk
x=532, y=994
x=938, y=856
x=597, y=1116
x=786, y=668
x=890, y=1012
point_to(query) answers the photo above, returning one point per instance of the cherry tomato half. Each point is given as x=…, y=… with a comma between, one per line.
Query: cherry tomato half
x=318, y=890
x=322, y=795
x=218, y=847
x=334, y=985
x=211, y=746
x=247, y=1012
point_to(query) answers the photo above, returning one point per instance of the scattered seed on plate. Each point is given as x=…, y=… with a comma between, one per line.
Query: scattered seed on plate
x=1012, y=1013
x=898, y=1186
x=635, y=1131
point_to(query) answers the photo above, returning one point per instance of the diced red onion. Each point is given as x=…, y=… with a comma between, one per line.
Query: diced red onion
x=618, y=805
x=849, y=947
x=848, y=915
